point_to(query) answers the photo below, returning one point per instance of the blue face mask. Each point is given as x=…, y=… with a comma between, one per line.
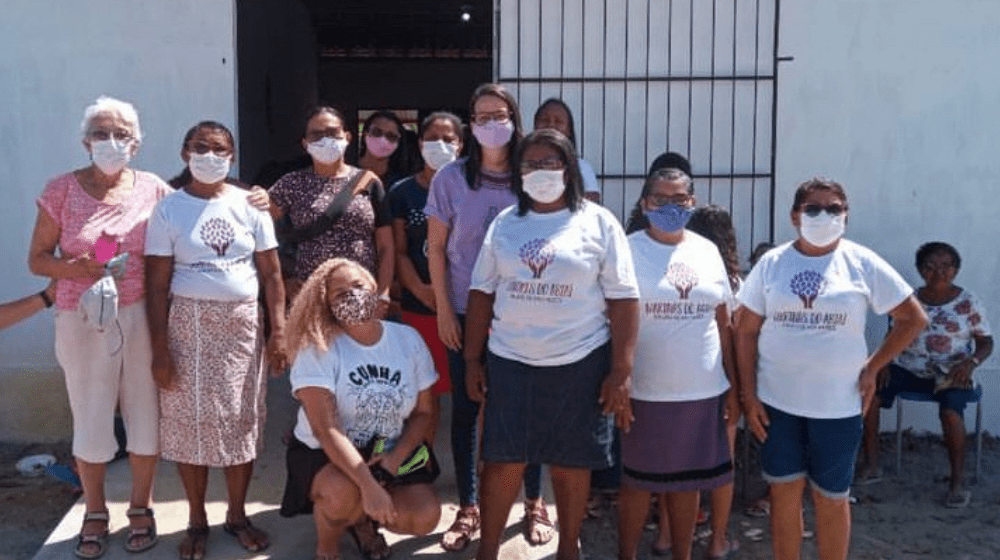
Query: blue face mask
x=669, y=217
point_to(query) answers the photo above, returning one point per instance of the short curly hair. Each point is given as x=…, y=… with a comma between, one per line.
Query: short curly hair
x=934, y=247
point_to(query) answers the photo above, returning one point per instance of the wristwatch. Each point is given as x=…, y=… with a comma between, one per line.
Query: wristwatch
x=384, y=297
x=976, y=361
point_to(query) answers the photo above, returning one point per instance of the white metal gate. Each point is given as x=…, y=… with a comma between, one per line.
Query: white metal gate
x=696, y=77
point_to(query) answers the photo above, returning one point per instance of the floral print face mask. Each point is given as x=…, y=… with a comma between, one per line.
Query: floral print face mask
x=354, y=307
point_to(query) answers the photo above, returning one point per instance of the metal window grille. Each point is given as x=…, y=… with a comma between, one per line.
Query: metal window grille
x=643, y=77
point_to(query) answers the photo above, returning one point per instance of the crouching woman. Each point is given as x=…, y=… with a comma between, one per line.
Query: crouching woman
x=360, y=381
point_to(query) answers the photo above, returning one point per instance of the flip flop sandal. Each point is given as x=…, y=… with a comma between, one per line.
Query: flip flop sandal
x=460, y=534
x=732, y=547
x=195, y=536
x=239, y=529
x=371, y=543
x=147, y=533
x=537, y=522
x=760, y=508
x=657, y=551
x=99, y=539
x=957, y=500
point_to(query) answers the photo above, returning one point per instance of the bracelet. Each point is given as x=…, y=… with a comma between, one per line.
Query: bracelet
x=45, y=298
x=384, y=297
x=975, y=361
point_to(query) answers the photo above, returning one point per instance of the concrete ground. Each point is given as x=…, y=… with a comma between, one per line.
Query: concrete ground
x=290, y=538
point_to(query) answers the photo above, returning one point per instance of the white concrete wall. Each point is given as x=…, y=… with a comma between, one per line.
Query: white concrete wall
x=899, y=100
x=174, y=59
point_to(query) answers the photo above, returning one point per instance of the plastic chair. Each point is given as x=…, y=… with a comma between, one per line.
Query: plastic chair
x=925, y=397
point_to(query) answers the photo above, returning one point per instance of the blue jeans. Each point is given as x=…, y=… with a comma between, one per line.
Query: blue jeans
x=465, y=437
x=611, y=477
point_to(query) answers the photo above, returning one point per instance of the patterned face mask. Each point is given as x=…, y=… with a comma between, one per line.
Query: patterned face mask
x=354, y=307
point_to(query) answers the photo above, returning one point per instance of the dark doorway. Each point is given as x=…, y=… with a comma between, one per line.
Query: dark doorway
x=414, y=57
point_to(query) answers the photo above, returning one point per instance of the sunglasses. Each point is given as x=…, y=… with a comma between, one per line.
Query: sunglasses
x=813, y=210
x=376, y=132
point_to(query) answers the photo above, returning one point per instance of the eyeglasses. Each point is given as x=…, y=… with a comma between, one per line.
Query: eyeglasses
x=121, y=135
x=813, y=210
x=658, y=200
x=201, y=149
x=501, y=117
x=316, y=135
x=937, y=267
x=376, y=132
x=548, y=164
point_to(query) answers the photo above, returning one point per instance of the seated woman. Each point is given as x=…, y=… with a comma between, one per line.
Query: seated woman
x=940, y=362
x=359, y=379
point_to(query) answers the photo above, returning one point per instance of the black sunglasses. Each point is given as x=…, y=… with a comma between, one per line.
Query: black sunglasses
x=813, y=210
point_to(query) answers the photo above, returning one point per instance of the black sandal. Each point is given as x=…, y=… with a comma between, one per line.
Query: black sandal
x=98, y=539
x=238, y=528
x=371, y=543
x=148, y=532
x=195, y=536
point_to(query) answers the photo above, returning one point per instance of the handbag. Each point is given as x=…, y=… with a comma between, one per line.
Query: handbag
x=99, y=304
x=333, y=212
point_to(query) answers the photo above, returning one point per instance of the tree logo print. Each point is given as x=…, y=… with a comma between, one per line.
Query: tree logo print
x=683, y=278
x=807, y=285
x=537, y=255
x=217, y=234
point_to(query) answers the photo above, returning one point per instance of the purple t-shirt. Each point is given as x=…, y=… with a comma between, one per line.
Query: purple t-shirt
x=467, y=213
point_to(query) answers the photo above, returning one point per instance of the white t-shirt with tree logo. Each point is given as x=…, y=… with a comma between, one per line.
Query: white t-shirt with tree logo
x=678, y=356
x=812, y=342
x=376, y=387
x=212, y=241
x=551, y=274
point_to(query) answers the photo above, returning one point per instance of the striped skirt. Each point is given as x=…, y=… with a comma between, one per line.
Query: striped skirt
x=214, y=414
x=677, y=446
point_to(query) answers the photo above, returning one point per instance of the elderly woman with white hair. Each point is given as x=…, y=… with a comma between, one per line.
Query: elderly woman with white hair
x=87, y=218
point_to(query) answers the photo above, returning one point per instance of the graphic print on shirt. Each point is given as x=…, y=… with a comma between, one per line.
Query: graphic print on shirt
x=807, y=284
x=415, y=218
x=217, y=234
x=537, y=255
x=682, y=277
x=378, y=396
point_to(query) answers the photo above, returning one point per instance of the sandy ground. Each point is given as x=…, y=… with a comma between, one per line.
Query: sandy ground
x=898, y=518
x=30, y=507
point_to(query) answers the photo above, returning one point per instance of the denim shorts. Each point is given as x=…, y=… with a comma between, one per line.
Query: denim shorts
x=822, y=449
x=901, y=379
x=547, y=414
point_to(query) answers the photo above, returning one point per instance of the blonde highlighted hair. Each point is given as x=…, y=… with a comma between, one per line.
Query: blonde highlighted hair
x=311, y=323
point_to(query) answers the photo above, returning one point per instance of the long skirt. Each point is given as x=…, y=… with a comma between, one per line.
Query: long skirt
x=214, y=414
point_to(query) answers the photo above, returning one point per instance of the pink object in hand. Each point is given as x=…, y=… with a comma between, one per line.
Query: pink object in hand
x=105, y=248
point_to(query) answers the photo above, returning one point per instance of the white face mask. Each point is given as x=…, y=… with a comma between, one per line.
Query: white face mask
x=438, y=153
x=822, y=230
x=544, y=185
x=327, y=150
x=208, y=168
x=110, y=156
